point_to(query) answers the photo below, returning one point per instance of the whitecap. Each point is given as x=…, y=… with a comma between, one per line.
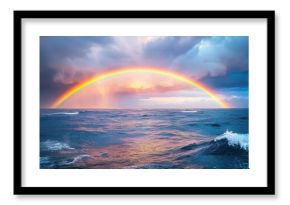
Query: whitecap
x=63, y=113
x=189, y=111
x=52, y=145
x=79, y=158
x=235, y=139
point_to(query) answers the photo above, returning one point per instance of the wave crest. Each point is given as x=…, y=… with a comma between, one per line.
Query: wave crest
x=78, y=158
x=235, y=139
x=55, y=146
x=63, y=113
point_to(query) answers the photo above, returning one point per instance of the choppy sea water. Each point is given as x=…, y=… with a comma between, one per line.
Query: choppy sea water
x=144, y=139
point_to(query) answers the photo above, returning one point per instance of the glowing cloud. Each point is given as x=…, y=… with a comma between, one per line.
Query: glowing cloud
x=209, y=91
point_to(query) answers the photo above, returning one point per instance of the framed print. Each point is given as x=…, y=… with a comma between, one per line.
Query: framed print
x=144, y=102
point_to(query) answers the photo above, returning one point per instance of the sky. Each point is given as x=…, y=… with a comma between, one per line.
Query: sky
x=219, y=62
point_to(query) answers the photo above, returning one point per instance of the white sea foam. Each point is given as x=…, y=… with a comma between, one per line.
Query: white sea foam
x=235, y=139
x=63, y=113
x=78, y=158
x=189, y=111
x=55, y=145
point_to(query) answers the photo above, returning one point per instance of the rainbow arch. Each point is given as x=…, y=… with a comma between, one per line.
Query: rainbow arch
x=99, y=77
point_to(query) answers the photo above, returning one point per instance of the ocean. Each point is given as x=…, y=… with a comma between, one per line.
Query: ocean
x=144, y=139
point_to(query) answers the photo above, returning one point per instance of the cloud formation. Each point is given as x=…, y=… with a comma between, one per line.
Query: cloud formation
x=221, y=62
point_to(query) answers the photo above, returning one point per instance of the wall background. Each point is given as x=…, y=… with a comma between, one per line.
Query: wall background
x=282, y=99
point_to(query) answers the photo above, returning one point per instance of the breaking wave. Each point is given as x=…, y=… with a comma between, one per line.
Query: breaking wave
x=235, y=139
x=78, y=158
x=231, y=147
x=51, y=145
x=229, y=143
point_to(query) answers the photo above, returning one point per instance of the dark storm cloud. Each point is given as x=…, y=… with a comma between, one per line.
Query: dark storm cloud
x=233, y=78
x=166, y=49
x=236, y=65
x=214, y=56
x=55, y=48
x=53, y=52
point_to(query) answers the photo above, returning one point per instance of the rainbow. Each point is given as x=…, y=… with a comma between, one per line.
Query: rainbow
x=99, y=77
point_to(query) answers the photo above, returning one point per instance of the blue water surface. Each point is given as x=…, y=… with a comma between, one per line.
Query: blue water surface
x=155, y=139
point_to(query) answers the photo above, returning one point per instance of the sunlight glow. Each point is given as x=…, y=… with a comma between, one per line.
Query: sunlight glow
x=139, y=84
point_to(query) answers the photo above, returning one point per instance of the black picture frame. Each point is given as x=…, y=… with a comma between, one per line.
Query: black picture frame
x=268, y=190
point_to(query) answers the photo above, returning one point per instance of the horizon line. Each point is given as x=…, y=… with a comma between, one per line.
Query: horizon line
x=58, y=108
